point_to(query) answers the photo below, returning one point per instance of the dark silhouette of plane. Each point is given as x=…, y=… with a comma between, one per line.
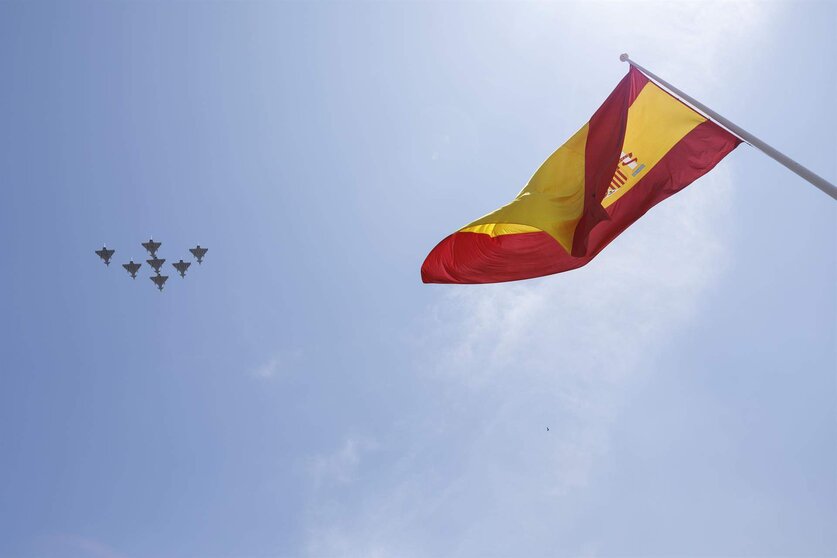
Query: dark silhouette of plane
x=152, y=247
x=547, y=429
x=156, y=264
x=132, y=268
x=159, y=280
x=105, y=254
x=198, y=252
x=181, y=267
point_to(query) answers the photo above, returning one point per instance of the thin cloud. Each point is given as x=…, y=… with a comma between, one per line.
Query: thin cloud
x=80, y=546
x=278, y=365
x=268, y=370
x=340, y=467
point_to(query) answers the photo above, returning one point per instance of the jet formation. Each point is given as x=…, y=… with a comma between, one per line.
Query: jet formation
x=155, y=262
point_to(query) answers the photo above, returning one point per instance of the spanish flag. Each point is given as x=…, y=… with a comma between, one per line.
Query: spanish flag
x=640, y=147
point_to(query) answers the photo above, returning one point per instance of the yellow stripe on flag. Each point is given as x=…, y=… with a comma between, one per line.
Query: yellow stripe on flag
x=656, y=123
x=551, y=202
x=498, y=229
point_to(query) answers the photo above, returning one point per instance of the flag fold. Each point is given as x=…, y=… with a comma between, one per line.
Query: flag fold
x=640, y=147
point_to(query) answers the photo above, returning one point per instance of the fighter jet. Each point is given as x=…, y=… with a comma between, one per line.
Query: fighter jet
x=198, y=252
x=132, y=268
x=152, y=247
x=181, y=267
x=159, y=280
x=105, y=254
x=156, y=264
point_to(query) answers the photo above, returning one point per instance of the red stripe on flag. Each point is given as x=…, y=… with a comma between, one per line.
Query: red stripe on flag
x=466, y=257
x=601, y=156
x=692, y=157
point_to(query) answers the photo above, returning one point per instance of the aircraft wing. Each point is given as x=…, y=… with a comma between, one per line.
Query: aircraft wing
x=132, y=268
x=198, y=252
x=105, y=254
x=156, y=263
x=159, y=280
x=152, y=246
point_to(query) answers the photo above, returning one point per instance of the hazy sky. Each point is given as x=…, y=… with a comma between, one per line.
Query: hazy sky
x=302, y=393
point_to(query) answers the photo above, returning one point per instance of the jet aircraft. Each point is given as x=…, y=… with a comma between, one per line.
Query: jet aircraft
x=105, y=254
x=159, y=280
x=181, y=267
x=156, y=263
x=152, y=247
x=132, y=268
x=198, y=252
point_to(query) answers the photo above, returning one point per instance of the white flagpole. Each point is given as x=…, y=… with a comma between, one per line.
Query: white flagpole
x=742, y=134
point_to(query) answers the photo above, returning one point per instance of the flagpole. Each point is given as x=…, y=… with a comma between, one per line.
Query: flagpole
x=742, y=134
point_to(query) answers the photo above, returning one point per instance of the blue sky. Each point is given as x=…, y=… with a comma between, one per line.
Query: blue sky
x=302, y=393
